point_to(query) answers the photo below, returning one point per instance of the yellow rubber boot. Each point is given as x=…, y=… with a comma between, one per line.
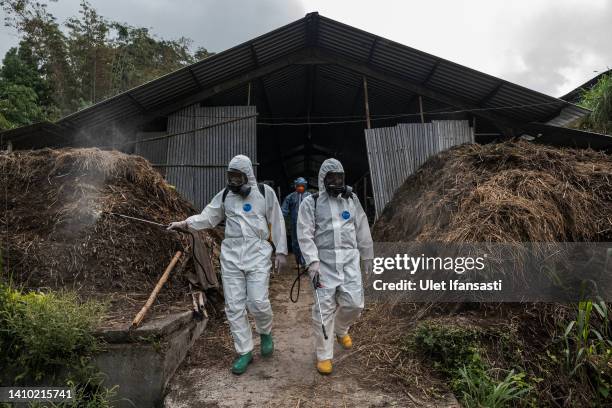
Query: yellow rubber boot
x=324, y=367
x=345, y=341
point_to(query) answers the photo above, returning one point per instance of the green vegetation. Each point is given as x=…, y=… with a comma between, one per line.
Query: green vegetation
x=587, y=348
x=555, y=355
x=58, y=69
x=456, y=352
x=599, y=100
x=48, y=339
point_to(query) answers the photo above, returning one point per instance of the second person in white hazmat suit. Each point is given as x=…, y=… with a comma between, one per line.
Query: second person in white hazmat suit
x=245, y=254
x=333, y=234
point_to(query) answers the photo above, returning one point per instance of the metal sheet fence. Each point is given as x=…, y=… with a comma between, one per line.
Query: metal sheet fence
x=154, y=151
x=394, y=153
x=196, y=161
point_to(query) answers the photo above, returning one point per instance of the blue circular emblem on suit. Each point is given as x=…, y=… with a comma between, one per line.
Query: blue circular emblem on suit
x=346, y=215
x=247, y=207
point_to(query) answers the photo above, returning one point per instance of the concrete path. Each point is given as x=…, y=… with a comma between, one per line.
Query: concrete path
x=287, y=379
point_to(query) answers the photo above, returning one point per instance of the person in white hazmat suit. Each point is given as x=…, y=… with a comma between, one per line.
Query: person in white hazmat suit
x=248, y=208
x=333, y=234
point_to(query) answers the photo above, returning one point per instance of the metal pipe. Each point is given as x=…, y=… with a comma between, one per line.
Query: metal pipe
x=320, y=313
x=421, y=109
x=138, y=219
x=367, y=104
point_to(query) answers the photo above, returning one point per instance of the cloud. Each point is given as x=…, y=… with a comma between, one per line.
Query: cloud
x=548, y=45
x=213, y=24
x=560, y=47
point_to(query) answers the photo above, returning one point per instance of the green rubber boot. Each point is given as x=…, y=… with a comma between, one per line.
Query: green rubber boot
x=241, y=363
x=267, y=345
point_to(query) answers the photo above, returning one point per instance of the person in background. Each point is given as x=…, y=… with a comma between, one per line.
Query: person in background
x=291, y=206
x=251, y=214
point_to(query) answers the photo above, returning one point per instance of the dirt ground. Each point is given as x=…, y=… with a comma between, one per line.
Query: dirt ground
x=288, y=378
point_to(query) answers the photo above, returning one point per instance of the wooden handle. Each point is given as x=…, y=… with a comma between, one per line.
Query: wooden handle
x=153, y=295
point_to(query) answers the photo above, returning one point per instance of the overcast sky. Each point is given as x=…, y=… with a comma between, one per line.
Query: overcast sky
x=552, y=46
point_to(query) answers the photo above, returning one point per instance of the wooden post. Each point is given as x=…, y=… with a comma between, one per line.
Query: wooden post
x=249, y=95
x=421, y=109
x=153, y=295
x=367, y=104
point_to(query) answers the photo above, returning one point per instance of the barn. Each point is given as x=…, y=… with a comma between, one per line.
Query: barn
x=312, y=89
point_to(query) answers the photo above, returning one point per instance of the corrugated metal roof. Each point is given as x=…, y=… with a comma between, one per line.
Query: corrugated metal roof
x=442, y=77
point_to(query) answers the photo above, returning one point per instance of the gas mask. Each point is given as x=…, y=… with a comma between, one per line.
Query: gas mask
x=334, y=185
x=237, y=182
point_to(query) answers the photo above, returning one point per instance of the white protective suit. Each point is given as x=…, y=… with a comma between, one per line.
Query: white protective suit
x=246, y=252
x=336, y=236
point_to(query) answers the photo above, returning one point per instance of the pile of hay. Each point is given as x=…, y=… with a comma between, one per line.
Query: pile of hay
x=58, y=233
x=508, y=192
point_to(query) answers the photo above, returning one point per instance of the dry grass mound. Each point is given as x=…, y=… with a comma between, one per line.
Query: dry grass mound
x=59, y=233
x=508, y=192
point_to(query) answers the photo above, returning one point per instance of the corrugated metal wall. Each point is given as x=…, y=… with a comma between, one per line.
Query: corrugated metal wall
x=196, y=161
x=394, y=153
x=154, y=151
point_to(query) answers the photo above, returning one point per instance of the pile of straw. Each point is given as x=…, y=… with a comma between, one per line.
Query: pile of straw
x=509, y=192
x=58, y=232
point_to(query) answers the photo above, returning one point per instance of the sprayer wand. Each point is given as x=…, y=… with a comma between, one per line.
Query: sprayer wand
x=165, y=227
x=315, y=285
x=138, y=219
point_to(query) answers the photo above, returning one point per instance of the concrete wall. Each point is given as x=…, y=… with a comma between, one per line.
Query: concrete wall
x=142, y=362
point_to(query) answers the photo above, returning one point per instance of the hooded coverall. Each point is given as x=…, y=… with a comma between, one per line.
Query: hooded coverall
x=336, y=233
x=246, y=252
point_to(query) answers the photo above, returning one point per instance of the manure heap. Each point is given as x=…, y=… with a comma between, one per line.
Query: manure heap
x=59, y=233
x=508, y=192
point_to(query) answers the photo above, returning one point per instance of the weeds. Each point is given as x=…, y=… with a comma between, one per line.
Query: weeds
x=587, y=348
x=455, y=351
x=48, y=339
x=479, y=390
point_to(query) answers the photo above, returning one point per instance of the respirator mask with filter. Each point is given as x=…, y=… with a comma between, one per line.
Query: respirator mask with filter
x=334, y=185
x=237, y=182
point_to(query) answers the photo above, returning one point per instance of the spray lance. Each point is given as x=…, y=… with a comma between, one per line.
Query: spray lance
x=198, y=302
x=315, y=285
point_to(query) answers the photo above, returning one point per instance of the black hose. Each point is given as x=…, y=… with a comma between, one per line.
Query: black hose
x=297, y=280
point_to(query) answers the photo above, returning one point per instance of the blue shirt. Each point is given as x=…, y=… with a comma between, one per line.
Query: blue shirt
x=291, y=204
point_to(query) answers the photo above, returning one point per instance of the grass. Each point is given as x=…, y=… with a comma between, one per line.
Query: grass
x=48, y=339
x=587, y=348
x=456, y=352
x=479, y=390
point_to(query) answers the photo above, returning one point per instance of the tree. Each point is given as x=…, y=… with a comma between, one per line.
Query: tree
x=91, y=56
x=25, y=95
x=87, y=60
x=42, y=35
x=140, y=57
x=19, y=106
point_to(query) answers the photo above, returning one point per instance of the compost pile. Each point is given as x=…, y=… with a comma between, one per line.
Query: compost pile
x=60, y=233
x=508, y=192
